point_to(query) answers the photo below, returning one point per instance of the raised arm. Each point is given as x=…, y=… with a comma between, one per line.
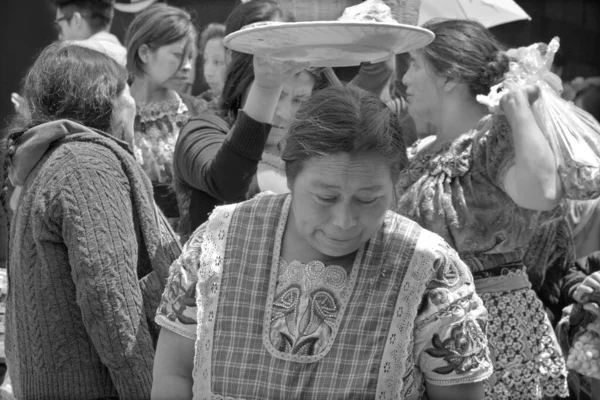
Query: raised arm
x=533, y=181
x=224, y=165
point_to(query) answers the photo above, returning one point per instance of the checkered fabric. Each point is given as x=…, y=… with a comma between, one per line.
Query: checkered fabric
x=235, y=290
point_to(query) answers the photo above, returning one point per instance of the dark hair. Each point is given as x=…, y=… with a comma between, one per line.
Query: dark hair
x=344, y=120
x=66, y=81
x=465, y=51
x=240, y=71
x=212, y=31
x=156, y=26
x=588, y=99
x=98, y=13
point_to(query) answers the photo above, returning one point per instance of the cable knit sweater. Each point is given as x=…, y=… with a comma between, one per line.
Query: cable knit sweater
x=89, y=257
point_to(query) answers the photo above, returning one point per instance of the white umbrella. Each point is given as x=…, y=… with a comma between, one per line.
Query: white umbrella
x=488, y=12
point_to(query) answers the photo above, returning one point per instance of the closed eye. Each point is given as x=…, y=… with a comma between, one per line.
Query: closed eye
x=367, y=201
x=326, y=199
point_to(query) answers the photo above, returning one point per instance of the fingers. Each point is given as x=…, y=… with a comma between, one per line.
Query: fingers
x=593, y=282
x=16, y=99
x=294, y=67
x=581, y=292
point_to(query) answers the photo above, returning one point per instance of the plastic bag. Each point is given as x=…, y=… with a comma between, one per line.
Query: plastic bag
x=578, y=333
x=573, y=134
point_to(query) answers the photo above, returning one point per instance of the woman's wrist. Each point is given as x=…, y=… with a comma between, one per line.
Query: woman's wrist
x=261, y=102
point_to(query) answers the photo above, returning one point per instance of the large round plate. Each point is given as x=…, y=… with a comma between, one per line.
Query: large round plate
x=328, y=43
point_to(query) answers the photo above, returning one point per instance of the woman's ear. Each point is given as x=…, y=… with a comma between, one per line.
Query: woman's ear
x=76, y=19
x=227, y=56
x=144, y=53
x=449, y=85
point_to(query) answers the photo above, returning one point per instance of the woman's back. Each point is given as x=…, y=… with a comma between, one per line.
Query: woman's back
x=456, y=191
x=74, y=225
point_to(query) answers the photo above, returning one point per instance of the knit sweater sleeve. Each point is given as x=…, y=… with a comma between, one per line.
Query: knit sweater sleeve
x=220, y=165
x=99, y=233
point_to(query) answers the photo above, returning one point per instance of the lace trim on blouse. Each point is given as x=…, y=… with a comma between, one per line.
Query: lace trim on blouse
x=210, y=273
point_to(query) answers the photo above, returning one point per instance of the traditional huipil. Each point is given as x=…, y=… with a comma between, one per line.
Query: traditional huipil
x=268, y=328
x=457, y=192
x=156, y=131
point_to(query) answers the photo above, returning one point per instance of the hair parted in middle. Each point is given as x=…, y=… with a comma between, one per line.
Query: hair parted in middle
x=344, y=120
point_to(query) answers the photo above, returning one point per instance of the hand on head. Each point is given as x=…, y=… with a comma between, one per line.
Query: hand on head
x=270, y=74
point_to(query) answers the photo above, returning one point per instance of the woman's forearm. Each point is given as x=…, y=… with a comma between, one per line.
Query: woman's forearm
x=172, y=387
x=261, y=102
x=535, y=175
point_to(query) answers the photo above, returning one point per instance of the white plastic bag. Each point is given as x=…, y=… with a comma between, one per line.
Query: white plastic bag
x=573, y=134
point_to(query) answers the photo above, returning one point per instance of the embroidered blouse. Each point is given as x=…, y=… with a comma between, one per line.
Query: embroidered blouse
x=405, y=312
x=156, y=130
x=457, y=192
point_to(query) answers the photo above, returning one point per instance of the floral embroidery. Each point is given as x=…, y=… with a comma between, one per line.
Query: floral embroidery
x=156, y=131
x=177, y=298
x=456, y=191
x=464, y=350
x=305, y=311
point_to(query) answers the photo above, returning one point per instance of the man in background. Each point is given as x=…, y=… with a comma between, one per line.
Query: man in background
x=88, y=22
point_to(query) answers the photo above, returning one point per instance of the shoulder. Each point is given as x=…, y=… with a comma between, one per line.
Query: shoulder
x=76, y=157
x=430, y=252
x=93, y=156
x=492, y=129
x=195, y=105
x=206, y=121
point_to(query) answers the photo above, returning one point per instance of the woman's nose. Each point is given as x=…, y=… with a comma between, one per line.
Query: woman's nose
x=187, y=65
x=406, y=79
x=343, y=217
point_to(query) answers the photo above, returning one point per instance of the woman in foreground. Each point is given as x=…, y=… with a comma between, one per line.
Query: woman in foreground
x=323, y=292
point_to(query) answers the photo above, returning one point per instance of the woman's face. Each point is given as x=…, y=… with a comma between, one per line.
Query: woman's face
x=123, y=117
x=339, y=201
x=171, y=65
x=295, y=91
x=424, y=89
x=214, y=64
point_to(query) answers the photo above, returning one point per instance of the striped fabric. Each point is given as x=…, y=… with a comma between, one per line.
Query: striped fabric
x=382, y=346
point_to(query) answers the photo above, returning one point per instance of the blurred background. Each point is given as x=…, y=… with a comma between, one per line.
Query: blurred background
x=27, y=28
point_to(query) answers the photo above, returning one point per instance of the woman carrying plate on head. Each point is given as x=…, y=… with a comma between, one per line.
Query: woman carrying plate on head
x=217, y=156
x=323, y=293
x=485, y=184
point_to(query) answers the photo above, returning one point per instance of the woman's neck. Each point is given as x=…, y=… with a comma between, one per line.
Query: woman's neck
x=295, y=247
x=458, y=118
x=272, y=149
x=144, y=91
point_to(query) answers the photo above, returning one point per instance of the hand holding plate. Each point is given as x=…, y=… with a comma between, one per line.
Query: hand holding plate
x=270, y=74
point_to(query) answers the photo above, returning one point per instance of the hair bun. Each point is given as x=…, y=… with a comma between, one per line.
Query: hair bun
x=492, y=73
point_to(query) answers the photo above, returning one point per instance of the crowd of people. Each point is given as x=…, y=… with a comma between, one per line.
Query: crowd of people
x=284, y=235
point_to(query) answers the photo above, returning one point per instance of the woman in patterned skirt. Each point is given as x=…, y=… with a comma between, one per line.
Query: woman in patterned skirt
x=323, y=293
x=485, y=183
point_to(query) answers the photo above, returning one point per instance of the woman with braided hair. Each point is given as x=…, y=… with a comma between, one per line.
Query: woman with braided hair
x=89, y=251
